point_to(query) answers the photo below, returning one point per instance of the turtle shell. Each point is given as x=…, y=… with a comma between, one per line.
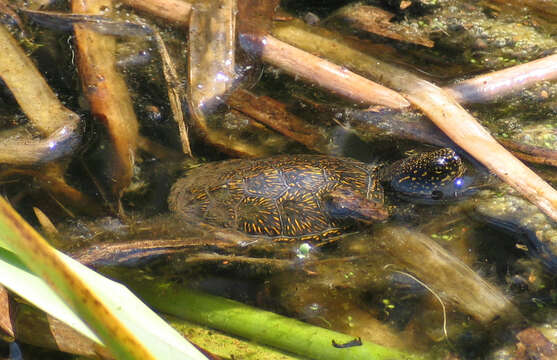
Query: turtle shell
x=281, y=197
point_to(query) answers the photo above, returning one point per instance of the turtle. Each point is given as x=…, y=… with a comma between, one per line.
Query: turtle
x=304, y=197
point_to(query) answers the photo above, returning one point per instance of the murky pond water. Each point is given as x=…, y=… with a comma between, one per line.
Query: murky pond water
x=420, y=255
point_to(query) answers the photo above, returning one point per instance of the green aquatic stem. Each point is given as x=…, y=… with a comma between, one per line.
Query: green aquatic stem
x=264, y=327
x=226, y=346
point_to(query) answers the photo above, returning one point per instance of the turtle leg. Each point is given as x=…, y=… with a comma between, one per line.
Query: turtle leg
x=345, y=204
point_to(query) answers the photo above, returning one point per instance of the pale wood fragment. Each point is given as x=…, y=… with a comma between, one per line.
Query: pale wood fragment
x=175, y=11
x=58, y=125
x=503, y=82
x=328, y=75
x=107, y=93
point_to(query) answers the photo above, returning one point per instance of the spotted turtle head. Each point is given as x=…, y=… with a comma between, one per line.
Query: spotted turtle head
x=430, y=177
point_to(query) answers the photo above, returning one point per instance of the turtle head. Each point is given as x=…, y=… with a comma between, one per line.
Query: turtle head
x=430, y=177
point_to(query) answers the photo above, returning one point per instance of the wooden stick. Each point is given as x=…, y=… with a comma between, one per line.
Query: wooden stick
x=332, y=77
x=107, y=93
x=176, y=11
x=59, y=125
x=274, y=114
x=500, y=83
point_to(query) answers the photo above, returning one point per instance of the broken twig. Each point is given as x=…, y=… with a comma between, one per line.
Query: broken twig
x=107, y=93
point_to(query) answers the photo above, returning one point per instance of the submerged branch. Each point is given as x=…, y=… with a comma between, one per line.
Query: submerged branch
x=273, y=114
x=28, y=151
x=135, y=252
x=211, y=57
x=59, y=126
x=107, y=93
x=51, y=179
x=446, y=274
x=175, y=94
x=39, y=329
x=531, y=153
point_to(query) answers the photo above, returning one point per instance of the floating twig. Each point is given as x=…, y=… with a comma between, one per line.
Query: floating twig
x=503, y=82
x=330, y=76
